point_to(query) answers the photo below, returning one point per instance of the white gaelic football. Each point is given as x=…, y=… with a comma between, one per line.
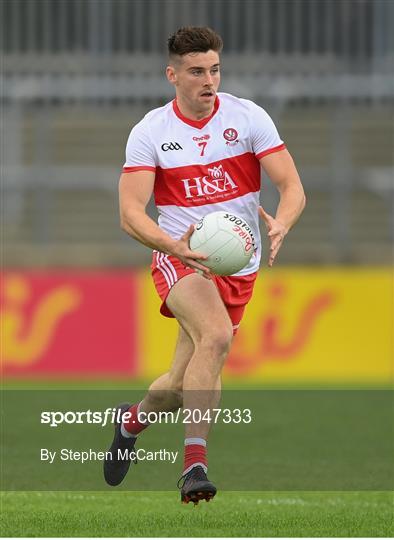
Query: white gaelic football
x=227, y=241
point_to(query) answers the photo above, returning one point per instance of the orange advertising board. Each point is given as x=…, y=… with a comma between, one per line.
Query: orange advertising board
x=68, y=323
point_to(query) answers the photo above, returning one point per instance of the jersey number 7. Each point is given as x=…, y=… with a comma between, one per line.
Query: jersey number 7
x=202, y=145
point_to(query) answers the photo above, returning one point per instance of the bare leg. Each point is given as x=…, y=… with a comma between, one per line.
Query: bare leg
x=199, y=309
x=165, y=393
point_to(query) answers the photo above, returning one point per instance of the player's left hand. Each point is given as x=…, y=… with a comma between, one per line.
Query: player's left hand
x=276, y=232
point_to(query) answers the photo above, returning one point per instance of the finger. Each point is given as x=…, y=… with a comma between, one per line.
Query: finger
x=273, y=255
x=265, y=217
x=188, y=233
x=274, y=232
x=203, y=274
x=276, y=243
x=275, y=251
x=194, y=255
x=200, y=267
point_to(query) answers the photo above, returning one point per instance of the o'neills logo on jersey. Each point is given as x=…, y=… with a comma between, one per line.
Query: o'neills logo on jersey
x=203, y=138
x=216, y=182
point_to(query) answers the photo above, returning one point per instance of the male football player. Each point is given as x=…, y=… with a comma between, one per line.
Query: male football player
x=200, y=153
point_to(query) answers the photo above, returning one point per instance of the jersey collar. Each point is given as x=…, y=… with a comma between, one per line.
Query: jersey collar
x=199, y=124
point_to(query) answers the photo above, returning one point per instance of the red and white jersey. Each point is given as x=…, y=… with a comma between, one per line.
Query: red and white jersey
x=206, y=165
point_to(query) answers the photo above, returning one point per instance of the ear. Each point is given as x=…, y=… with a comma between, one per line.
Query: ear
x=171, y=75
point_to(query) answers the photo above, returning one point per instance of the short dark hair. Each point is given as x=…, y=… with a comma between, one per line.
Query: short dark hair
x=194, y=39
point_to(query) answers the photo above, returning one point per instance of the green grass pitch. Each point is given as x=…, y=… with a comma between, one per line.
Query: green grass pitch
x=230, y=514
x=160, y=514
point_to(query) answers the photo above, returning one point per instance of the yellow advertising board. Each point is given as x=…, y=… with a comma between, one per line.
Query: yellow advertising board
x=302, y=325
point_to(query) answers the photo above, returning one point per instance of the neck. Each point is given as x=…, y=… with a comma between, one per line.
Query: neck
x=191, y=113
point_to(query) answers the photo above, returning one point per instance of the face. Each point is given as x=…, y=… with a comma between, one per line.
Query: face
x=196, y=78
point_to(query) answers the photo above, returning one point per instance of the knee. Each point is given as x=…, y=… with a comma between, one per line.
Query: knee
x=217, y=340
x=175, y=397
x=174, y=390
x=157, y=397
x=165, y=399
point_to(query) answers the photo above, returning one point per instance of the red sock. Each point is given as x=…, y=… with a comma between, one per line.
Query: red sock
x=133, y=425
x=195, y=454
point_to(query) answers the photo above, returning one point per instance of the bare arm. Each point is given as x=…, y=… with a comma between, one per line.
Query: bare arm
x=135, y=191
x=281, y=169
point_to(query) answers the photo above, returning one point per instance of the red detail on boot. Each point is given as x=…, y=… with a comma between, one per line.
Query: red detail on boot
x=195, y=453
x=133, y=425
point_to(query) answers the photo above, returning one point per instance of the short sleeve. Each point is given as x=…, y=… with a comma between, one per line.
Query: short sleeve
x=264, y=135
x=139, y=150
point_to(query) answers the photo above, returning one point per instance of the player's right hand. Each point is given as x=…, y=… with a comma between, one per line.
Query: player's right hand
x=190, y=258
